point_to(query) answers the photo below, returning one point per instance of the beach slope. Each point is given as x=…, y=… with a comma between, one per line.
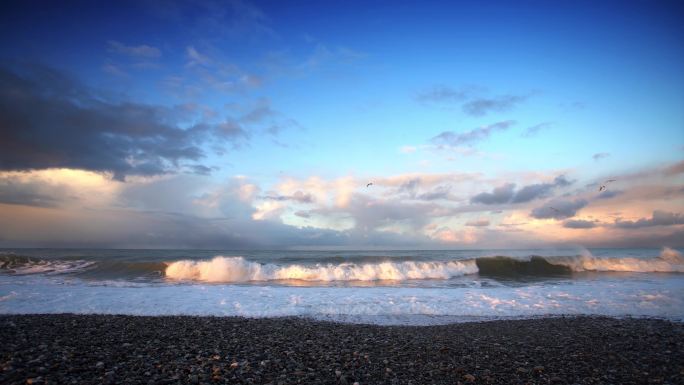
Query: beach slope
x=88, y=349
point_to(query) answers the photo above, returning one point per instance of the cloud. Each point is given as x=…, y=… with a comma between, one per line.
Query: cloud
x=658, y=218
x=500, y=195
x=442, y=93
x=559, y=209
x=114, y=70
x=139, y=51
x=675, y=169
x=533, y=191
x=506, y=193
x=322, y=54
x=199, y=169
x=407, y=149
x=600, y=155
x=438, y=192
x=302, y=214
x=48, y=120
x=196, y=58
x=451, y=138
x=472, y=102
x=27, y=194
x=478, y=223
x=541, y=190
x=534, y=130
x=579, y=224
x=484, y=106
x=57, y=188
x=607, y=194
x=298, y=196
x=261, y=111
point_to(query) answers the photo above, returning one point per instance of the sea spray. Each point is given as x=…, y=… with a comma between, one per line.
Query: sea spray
x=237, y=269
x=669, y=261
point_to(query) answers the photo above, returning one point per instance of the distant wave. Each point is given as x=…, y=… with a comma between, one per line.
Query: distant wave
x=22, y=265
x=236, y=269
x=669, y=261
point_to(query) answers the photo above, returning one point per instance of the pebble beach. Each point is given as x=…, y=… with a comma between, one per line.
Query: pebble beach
x=110, y=349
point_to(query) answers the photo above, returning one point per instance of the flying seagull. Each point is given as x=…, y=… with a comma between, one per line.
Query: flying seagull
x=369, y=184
x=605, y=184
x=554, y=209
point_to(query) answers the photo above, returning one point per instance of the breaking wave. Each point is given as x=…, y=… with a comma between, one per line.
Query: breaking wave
x=669, y=261
x=21, y=265
x=237, y=269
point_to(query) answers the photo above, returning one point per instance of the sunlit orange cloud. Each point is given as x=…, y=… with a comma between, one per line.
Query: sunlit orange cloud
x=346, y=203
x=68, y=186
x=326, y=192
x=451, y=236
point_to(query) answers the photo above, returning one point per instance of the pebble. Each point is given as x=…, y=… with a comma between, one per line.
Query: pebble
x=286, y=351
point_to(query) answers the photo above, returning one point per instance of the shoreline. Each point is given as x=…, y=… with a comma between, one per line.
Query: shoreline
x=68, y=348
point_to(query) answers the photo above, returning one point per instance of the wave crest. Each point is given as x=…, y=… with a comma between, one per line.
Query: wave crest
x=22, y=265
x=237, y=269
x=669, y=261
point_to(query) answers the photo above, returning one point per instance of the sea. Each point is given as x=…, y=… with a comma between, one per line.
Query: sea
x=380, y=287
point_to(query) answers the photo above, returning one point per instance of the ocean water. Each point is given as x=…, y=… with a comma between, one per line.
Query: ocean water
x=386, y=287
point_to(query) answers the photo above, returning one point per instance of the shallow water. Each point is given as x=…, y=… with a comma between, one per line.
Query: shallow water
x=409, y=287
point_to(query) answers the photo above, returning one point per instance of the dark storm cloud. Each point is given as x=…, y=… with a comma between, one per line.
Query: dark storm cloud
x=507, y=193
x=484, y=106
x=578, y=224
x=658, y=218
x=451, y=138
x=49, y=120
x=559, y=209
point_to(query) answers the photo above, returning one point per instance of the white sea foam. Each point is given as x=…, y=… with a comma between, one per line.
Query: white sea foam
x=618, y=296
x=50, y=267
x=669, y=261
x=237, y=269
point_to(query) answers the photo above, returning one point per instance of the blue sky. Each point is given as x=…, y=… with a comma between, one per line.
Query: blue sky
x=275, y=94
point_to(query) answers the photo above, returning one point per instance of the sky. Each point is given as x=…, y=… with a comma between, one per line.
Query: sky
x=398, y=125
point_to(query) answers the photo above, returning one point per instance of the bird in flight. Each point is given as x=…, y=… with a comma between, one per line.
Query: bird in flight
x=369, y=184
x=605, y=184
x=554, y=209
